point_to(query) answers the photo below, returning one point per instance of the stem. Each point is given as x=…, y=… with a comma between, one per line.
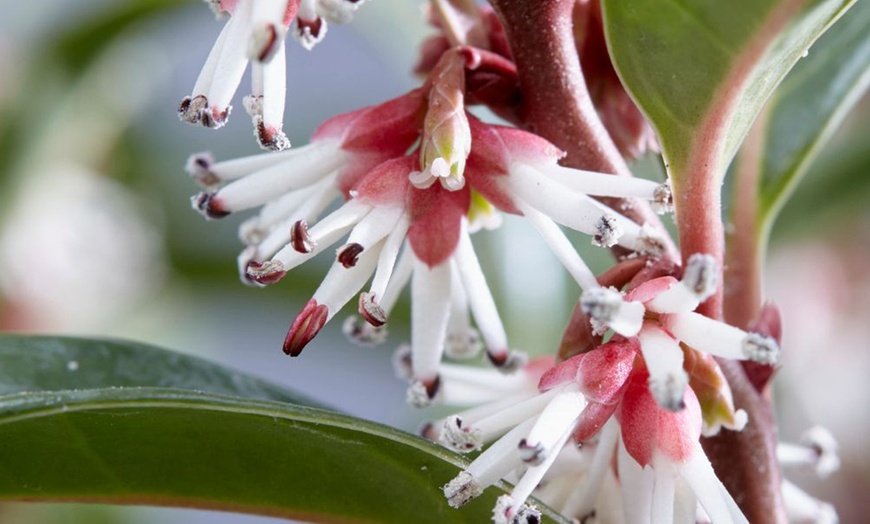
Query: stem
x=745, y=461
x=745, y=255
x=556, y=103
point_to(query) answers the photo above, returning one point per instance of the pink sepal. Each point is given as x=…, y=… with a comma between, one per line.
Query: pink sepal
x=436, y=219
x=650, y=289
x=646, y=427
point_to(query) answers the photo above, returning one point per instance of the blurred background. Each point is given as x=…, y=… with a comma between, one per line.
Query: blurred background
x=97, y=236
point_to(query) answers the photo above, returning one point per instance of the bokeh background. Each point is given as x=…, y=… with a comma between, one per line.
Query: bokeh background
x=97, y=236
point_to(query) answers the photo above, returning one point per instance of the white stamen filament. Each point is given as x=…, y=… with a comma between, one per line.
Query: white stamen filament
x=559, y=415
x=376, y=226
x=463, y=341
x=341, y=283
x=560, y=246
x=720, y=339
x=398, y=280
x=494, y=463
x=239, y=167
x=388, y=258
x=480, y=298
x=206, y=74
x=584, y=502
x=601, y=184
x=233, y=58
x=430, y=307
x=325, y=233
x=262, y=186
x=801, y=507
x=497, y=423
x=532, y=477
x=274, y=76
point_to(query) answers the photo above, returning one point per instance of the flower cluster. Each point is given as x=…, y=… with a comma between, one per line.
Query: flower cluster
x=401, y=225
x=632, y=396
x=613, y=429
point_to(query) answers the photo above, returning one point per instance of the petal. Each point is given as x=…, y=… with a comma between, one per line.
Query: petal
x=436, y=219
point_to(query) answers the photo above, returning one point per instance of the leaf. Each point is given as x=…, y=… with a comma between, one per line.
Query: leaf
x=813, y=99
x=128, y=435
x=45, y=363
x=702, y=70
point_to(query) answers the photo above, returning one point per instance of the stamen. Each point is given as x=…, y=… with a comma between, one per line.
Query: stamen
x=265, y=41
x=700, y=280
x=430, y=307
x=462, y=489
x=663, y=199
x=199, y=166
x=606, y=308
x=265, y=273
x=558, y=417
x=507, y=361
x=371, y=311
x=300, y=239
x=401, y=361
x=818, y=450
x=358, y=330
x=305, y=327
x=760, y=348
x=507, y=511
x=607, y=231
x=458, y=437
x=721, y=339
x=208, y=205
x=348, y=254
x=421, y=394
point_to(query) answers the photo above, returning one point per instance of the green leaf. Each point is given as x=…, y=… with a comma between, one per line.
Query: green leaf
x=44, y=363
x=126, y=434
x=702, y=70
x=808, y=107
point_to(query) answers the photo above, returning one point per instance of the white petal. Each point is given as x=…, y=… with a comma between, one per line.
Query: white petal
x=699, y=475
x=664, y=360
x=636, y=484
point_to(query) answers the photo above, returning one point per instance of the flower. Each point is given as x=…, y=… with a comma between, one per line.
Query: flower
x=660, y=463
x=660, y=313
x=255, y=33
x=401, y=229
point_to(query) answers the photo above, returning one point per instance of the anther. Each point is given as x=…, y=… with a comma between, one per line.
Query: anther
x=348, y=254
x=300, y=239
x=267, y=272
x=206, y=203
x=370, y=310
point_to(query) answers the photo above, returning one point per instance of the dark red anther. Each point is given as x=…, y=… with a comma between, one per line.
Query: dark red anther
x=300, y=239
x=305, y=327
x=348, y=255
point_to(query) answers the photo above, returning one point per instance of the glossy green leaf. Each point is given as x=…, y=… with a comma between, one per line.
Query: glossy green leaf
x=810, y=104
x=113, y=426
x=46, y=363
x=702, y=70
